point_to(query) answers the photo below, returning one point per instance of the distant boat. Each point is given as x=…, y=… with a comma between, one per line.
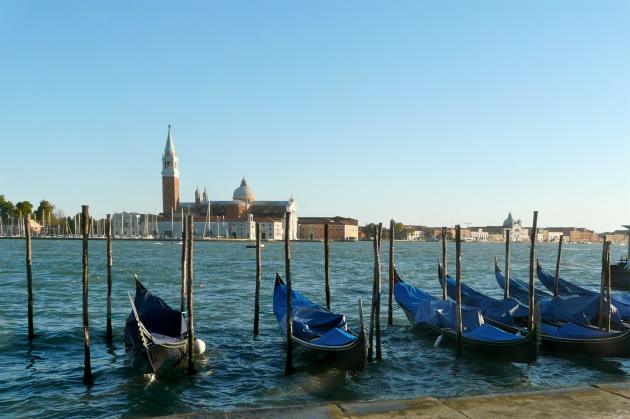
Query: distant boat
x=155, y=330
x=253, y=246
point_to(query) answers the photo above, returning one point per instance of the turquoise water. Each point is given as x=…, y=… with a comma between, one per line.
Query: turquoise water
x=45, y=377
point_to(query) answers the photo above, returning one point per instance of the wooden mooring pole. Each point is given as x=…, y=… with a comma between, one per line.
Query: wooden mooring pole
x=608, y=287
x=108, y=233
x=191, y=318
x=87, y=366
x=602, y=285
x=444, y=265
x=390, y=297
x=288, y=367
x=258, y=275
x=458, y=281
x=506, y=285
x=184, y=267
x=377, y=312
x=375, y=309
x=327, y=265
x=556, y=288
x=532, y=255
x=29, y=274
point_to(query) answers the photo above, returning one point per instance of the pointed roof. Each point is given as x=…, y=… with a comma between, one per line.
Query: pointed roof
x=170, y=146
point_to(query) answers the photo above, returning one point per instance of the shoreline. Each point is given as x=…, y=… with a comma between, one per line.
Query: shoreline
x=587, y=401
x=140, y=239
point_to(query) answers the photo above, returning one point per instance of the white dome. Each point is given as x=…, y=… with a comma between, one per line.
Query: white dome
x=244, y=193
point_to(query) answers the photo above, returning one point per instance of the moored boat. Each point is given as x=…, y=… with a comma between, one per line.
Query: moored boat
x=320, y=335
x=155, y=331
x=568, y=337
x=439, y=318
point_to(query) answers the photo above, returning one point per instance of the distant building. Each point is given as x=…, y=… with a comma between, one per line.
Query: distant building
x=229, y=219
x=415, y=235
x=479, y=235
x=339, y=228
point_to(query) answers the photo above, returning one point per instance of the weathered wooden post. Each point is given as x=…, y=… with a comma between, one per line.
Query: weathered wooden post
x=506, y=286
x=184, y=266
x=556, y=288
x=288, y=367
x=390, y=300
x=258, y=275
x=458, y=279
x=327, y=265
x=608, y=285
x=444, y=265
x=29, y=274
x=375, y=311
x=532, y=256
x=108, y=232
x=87, y=367
x=191, y=318
x=602, y=285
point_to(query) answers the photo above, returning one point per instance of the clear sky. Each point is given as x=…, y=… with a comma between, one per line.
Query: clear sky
x=432, y=112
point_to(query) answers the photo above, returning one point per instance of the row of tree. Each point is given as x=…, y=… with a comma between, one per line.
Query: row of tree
x=45, y=210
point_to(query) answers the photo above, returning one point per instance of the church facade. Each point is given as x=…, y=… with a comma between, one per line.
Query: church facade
x=235, y=219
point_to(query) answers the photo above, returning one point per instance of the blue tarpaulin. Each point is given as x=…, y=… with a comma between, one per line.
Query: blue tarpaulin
x=503, y=311
x=574, y=331
x=442, y=313
x=621, y=300
x=578, y=309
x=310, y=321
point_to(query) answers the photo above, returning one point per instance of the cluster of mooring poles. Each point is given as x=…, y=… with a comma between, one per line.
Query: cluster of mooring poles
x=86, y=223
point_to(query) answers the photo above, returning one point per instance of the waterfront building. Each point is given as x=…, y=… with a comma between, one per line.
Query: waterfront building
x=479, y=235
x=228, y=219
x=415, y=235
x=339, y=228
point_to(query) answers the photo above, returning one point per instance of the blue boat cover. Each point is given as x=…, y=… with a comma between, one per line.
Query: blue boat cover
x=442, y=313
x=621, y=300
x=520, y=289
x=574, y=331
x=578, y=309
x=335, y=337
x=489, y=333
x=503, y=311
x=311, y=323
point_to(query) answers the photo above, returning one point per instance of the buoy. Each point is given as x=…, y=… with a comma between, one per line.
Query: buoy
x=200, y=346
x=438, y=341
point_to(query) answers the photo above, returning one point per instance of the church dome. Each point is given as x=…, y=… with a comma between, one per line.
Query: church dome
x=508, y=222
x=244, y=193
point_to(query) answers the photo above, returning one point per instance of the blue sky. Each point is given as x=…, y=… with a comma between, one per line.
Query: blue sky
x=428, y=112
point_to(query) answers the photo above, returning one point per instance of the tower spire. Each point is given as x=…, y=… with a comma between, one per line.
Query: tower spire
x=169, y=150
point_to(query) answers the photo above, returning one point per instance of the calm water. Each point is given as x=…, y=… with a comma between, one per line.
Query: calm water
x=238, y=371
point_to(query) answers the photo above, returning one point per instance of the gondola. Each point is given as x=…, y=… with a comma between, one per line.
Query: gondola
x=579, y=309
x=621, y=300
x=320, y=335
x=568, y=337
x=155, y=332
x=438, y=318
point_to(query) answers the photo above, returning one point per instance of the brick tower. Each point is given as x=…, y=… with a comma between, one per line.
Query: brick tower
x=170, y=177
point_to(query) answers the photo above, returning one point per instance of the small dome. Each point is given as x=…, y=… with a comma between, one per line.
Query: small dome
x=508, y=222
x=244, y=193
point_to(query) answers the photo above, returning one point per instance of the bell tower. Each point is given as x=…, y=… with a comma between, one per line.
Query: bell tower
x=170, y=177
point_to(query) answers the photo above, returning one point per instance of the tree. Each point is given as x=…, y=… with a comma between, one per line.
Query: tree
x=23, y=208
x=398, y=231
x=7, y=209
x=44, y=209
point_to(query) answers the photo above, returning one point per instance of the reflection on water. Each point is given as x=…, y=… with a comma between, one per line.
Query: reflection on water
x=238, y=370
